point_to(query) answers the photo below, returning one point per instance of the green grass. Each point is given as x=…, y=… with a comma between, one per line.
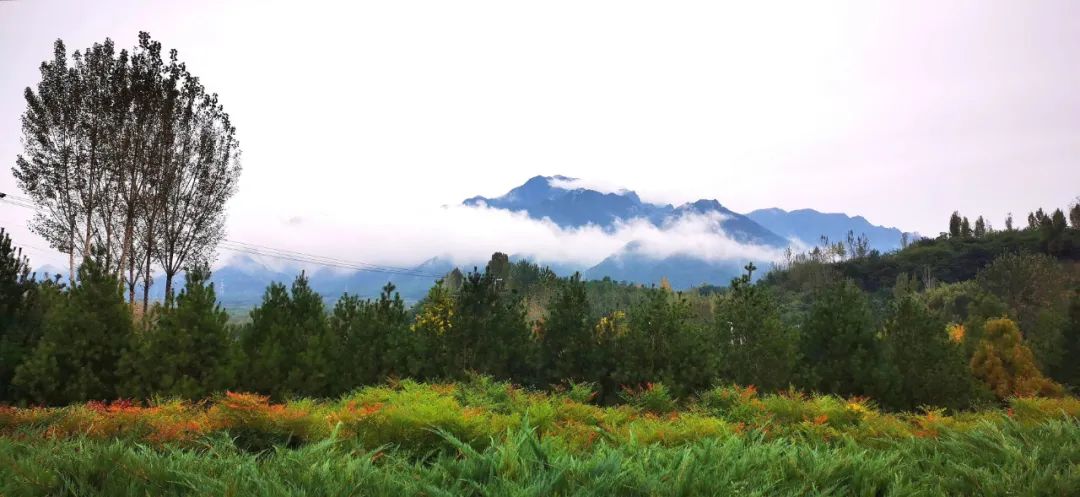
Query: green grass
x=488, y=438
x=1008, y=459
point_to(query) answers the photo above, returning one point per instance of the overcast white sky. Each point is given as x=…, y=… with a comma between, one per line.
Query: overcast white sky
x=359, y=119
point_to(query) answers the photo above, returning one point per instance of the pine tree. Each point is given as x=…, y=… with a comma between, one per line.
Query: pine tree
x=930, y=368
x=20, y=312
x=368, y=333
x=839, y=343
x=190, y=353
x=755, y=347
x=287, y=347
x=567, y=334
x=489, y=334
x=659, y=345
x=1007, y=366
x=85, y=335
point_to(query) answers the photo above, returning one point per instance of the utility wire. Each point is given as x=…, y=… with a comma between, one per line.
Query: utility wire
x=266, y=251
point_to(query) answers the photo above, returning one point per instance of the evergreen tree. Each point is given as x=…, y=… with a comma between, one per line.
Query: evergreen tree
x=839, y=343
x=1074, y=215
x=21, y=309
x=930, y=368
x=368, y=335
x=755, y=347
x=190, y=353
x=85, y=335
x=655, y=346
x=567, y=334
x=287, y=347
x=1007, y=366
x=489, y=334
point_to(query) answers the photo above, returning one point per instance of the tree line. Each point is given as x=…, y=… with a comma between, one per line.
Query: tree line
x=1014, y=330
x=127, y=153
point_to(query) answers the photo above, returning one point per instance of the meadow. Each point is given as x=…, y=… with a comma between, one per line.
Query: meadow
x=483, y=437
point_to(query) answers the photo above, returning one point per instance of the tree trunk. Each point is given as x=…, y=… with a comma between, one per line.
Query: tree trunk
x=146, y=285
x=71, y=254
x=168, y=286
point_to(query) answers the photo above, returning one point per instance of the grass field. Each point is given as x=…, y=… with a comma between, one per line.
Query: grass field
x=487, y=438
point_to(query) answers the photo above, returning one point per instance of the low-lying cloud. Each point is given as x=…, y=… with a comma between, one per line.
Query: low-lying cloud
x=469, y=235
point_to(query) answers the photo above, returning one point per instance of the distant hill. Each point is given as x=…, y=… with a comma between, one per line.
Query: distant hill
x=808, y=226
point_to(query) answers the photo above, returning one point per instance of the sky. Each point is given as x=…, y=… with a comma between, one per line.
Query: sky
x=360, y=121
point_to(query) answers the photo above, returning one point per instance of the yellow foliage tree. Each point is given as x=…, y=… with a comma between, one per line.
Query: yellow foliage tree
x=665, y=284
x=1006, y=364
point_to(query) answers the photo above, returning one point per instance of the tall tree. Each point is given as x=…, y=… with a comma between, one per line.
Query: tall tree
x=954, y=225
x=52, y=168
x=201, y=174
x=127, y=152
x=980, y=227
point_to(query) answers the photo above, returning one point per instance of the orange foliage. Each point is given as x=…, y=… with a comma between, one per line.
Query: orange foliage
x=1007, y=365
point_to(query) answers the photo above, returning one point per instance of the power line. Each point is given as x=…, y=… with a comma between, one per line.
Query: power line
x=285, y=254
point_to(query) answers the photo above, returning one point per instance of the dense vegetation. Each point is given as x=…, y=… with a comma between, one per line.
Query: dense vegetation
x=480, y=437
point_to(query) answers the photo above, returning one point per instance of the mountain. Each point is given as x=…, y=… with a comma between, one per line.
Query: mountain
x=541, y=197
x=736, y=226
x=571, y=208
x=549, y=197
x=808, y=226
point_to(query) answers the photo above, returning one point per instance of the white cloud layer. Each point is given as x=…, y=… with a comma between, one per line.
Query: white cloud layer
x=468, y=235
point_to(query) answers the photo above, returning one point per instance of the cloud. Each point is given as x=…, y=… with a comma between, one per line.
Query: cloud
x=589, y=184
x=469, y=235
